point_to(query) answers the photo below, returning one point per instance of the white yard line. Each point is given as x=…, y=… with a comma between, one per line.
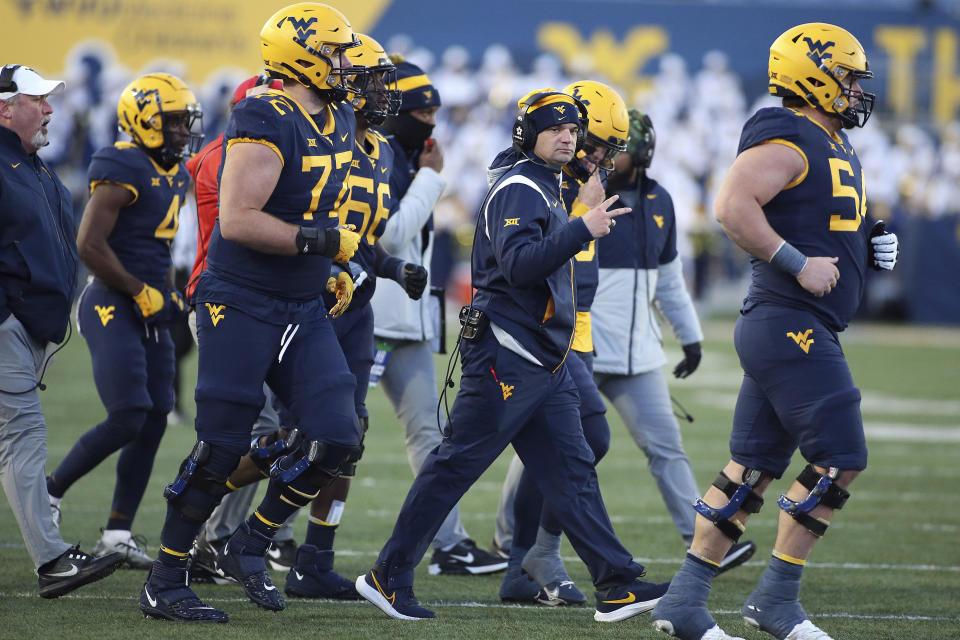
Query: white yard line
x=29, y=595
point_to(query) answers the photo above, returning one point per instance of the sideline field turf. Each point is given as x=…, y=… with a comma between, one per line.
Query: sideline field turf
x=888, y=568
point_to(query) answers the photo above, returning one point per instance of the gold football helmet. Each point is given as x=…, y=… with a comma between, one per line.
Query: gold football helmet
x=301, y=42
x=161, y=114
x=812, y=61
x=376, y=95
x=609, y=124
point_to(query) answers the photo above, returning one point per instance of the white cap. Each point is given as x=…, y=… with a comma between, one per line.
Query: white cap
x=26, y=80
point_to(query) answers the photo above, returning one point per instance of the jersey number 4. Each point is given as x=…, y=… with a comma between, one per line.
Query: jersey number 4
x=841, y=190
x=168, y=226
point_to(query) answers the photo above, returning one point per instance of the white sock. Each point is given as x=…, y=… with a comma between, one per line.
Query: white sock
x=112, y=536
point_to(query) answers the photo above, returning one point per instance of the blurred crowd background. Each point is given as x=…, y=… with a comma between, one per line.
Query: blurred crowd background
x=697, y=96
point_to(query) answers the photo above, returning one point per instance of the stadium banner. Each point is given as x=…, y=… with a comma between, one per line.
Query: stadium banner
x=916, y=54
x=933, y=247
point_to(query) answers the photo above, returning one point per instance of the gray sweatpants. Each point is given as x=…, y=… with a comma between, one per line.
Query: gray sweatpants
x=410, y=382
x=23, y=443
x=235, y=506
x=643, y=402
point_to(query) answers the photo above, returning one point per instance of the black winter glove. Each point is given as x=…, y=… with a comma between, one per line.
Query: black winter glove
x=691, y=360
x=413, y=279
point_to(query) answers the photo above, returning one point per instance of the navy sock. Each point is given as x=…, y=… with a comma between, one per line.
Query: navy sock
x=321, y=535
x=176, y=539
x=781, y=578
x=774, y=605
x=94, y=447
x=262, y=525
x=273, y=508
x=685, y=603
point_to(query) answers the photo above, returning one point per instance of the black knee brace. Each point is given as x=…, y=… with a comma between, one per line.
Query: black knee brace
x=741, y=496
x=822, y=491
x=350, y=468
x=275, y=446
x=197, y=491
x=319, y=463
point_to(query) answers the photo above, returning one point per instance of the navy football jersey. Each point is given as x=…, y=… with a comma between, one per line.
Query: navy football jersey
x=821, y=213
x=145, y=228
x=316, y=152
x=368, y=203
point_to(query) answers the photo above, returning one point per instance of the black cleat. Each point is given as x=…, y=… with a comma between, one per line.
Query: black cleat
x=313, y=577
x=242, y=558
x=465, y=559
x=282, y=555
x=203, y=562
x=166, y=596
x=739, y=553
x=73, y=569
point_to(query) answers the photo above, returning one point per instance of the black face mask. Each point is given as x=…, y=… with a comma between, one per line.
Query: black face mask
x=617, y=181
x=409, y=132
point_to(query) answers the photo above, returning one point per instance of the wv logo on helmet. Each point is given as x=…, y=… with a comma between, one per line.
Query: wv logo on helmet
x=820, y=48
x=145, y=97
x=302, y=26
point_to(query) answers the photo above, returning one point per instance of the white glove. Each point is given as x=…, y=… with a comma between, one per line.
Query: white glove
x=884, y=248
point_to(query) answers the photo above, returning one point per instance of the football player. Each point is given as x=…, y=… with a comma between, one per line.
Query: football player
x=136, y=190
x=235, y=506
x=794, y=200
x=366, y=207
x=261, y=315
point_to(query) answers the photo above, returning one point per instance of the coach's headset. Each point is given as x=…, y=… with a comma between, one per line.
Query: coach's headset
x=524, y=140
x=525, y=133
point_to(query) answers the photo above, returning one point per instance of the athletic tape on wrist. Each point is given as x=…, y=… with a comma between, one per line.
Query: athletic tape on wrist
x=788, y=258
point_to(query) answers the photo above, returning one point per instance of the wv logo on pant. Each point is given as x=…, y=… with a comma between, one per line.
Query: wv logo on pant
x=507, y=390
x=802, y=338
x=216, y=312
x=105, y=313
